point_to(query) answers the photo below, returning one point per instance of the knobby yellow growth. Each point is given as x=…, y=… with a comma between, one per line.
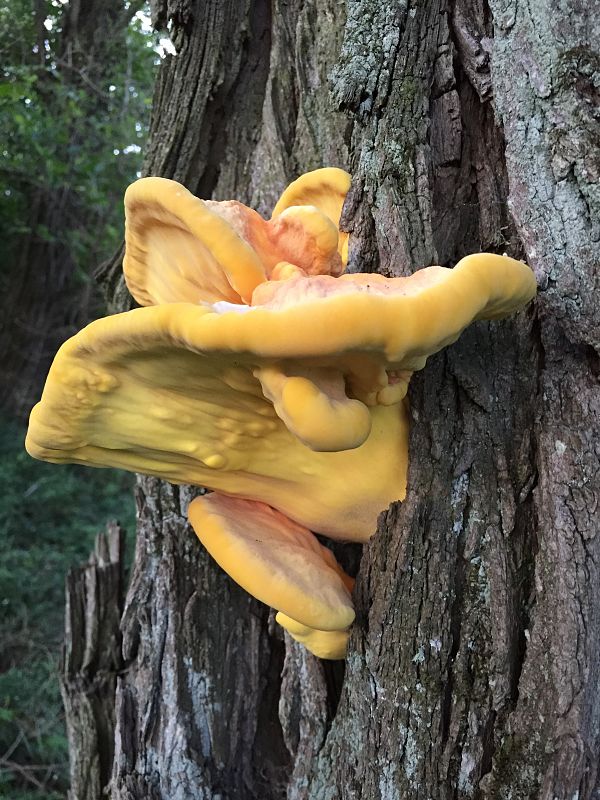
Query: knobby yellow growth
x=259, y=370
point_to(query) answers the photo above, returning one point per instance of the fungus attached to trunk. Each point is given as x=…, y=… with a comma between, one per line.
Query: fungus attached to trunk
x=260, y=372
x=281, y=563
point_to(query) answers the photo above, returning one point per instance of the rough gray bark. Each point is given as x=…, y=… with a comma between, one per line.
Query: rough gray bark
x=473, y=664
x=197, y=702
x=91, y=660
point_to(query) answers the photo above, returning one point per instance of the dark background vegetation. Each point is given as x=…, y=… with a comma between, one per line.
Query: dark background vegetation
x=48, y=519
x=74, y=107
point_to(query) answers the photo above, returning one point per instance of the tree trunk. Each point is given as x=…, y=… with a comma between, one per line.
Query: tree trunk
x=91, y=661
x=473, y=664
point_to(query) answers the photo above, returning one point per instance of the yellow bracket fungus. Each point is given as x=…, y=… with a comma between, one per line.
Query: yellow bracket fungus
x=261, y=372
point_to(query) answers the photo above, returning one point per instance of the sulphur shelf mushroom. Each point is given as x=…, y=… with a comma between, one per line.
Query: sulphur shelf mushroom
x=260, y=371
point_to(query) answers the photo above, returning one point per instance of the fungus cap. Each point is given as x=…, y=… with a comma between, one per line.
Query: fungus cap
x=323, y=644
x=179, y=248
x=276, y=560
x=325, y=189
x=197, y=394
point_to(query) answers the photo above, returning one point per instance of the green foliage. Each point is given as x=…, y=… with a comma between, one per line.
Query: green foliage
x=49, y=516
x=69, y=124
x=31, y=715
